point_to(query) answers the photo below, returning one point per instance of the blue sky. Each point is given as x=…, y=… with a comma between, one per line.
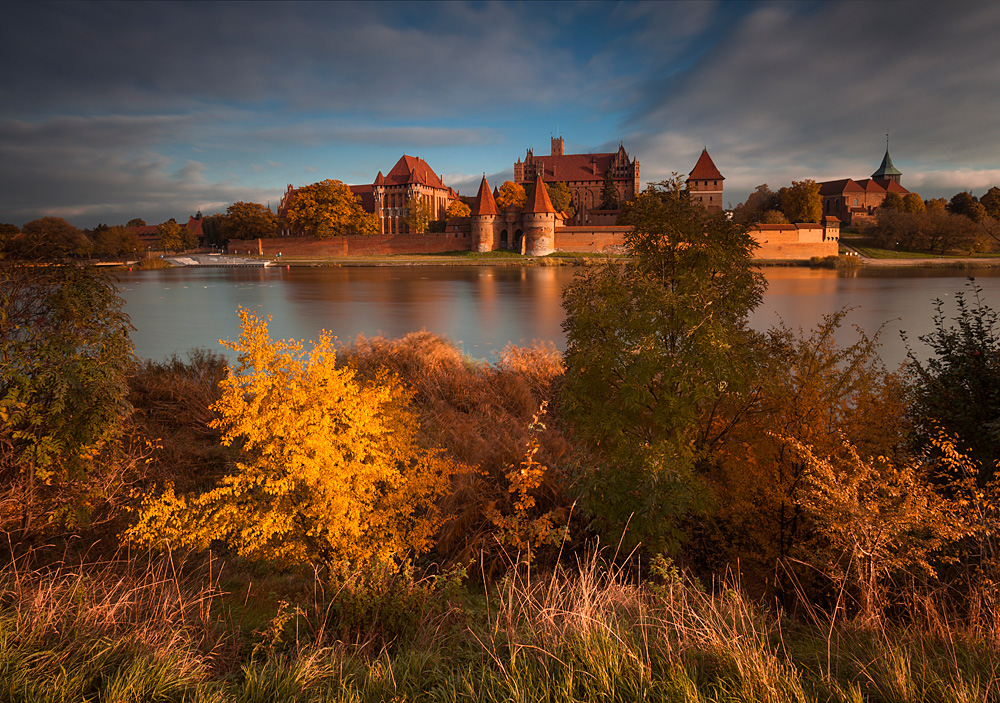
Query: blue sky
x=110, y=111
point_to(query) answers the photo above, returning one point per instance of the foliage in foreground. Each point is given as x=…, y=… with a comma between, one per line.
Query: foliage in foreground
x=332, y=473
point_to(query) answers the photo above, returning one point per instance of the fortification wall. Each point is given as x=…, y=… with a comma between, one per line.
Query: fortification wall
x=359, y=245
x=798, y=242
x=606, y=238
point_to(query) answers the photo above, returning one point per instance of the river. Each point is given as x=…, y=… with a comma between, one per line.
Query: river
x=483, y=308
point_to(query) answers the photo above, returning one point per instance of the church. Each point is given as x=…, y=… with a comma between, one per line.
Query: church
x=852, y=201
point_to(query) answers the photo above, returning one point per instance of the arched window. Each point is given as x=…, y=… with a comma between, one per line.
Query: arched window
x=855, y=202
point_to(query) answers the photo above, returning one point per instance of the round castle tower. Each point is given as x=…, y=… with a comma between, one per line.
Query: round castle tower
x=539, y=222
x=483, y=219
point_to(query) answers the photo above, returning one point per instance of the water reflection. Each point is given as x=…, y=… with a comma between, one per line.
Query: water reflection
x=482, y=309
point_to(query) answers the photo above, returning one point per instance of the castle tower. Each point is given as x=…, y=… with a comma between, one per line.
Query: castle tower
x=557, y=146
x=539, y=222
x=483, y=218
x=704, y=184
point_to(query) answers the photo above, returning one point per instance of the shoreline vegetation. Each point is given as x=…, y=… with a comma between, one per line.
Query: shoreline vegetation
x=677, y=508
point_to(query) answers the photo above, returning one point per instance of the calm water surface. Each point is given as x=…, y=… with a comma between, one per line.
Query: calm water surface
x=482, y=309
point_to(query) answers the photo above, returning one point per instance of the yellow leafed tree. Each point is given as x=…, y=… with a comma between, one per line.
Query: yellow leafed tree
x=328, y=209
x=332, y=472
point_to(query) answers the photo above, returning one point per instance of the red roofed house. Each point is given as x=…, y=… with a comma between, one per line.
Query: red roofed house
x=704, y=183
x=583, y=174
x=852, y=201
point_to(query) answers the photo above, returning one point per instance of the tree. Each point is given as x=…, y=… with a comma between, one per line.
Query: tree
x=958, y=388
x=329, y=209
x=173, y=237
x=561, y=197
x=136, y=222
x=7, y=234
x=966, y=204
x=52, y=237
x=213, y=227
x=991, y=202
x=653, y=344
x=936, y=205
x=912, y=202
x=65, y=357
x=458, y=209
x=609, y=192
x=117, y=241
x=418, y=214
x=802, y=202
x=511, y=197
x=248, y=221
x=331, y=470
x=760, y=201
x=893, y=201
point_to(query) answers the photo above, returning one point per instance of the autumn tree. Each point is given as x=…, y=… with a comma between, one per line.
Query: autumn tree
x=991, y=202
x=966, y=204
x=912, y=202
x=136, y=222
x=51, y=237
x=331, y=471
x=653, y=344
x=892, y=201
x=609, y=192
x=458, y=209
x=174, y=237
x=7, y=234
x=65, y=357
x=117, y=241
x=245, y=220
x=511, y=196
x=329, y=209
x=759, y=202
x=418, y=214
x=802, y=202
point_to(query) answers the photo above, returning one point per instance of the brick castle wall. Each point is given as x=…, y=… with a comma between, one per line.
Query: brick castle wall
x=359, y=245
x=590, y=238
x=799, y=242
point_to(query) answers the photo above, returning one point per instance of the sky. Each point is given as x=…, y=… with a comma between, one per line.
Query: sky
x=110, y=111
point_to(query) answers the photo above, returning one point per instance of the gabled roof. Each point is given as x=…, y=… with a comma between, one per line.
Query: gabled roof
x=379, y=179
x=412, y=169
x=839, y=187
x=705, y=169
x=886, y=169
x=575, y=167
x=871, y=186
x=485, y=204
x=539, y=198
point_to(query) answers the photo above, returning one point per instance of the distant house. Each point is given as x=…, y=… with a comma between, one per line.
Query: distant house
x=852, y=201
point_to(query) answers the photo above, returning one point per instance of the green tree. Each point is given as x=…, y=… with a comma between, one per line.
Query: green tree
x=330, y=209
x=958, y=387
x=65, y=357
x=52, y=237
x=331, y=470
x=802, y=202
x=609, y=192
x=966, y=204
x=213, y=228
x=762, y=200
x=653, y=345
x=418, y=214
x=458, y=209
x=248, y=221
x=117, y=241
x=136, y=222
x=511, y=196
x=561, y=197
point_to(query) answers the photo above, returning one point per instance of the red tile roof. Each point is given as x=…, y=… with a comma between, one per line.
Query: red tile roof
x=485, y=204
x=540, y=199
x=575, y=167
x=412, y=169
x=844, y=185
x=705, y=169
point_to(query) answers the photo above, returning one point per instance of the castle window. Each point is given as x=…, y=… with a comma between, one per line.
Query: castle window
x=855, y=202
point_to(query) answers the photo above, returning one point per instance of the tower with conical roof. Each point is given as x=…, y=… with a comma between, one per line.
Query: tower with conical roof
x=539, y=221
x=887, y=172
x=704, y=183
x=483, y=218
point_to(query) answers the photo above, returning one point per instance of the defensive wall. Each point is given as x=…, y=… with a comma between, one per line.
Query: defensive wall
x=788, y=242
x=798, y=242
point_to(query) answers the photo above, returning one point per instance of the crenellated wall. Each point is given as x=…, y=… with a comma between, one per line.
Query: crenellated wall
x=359, y=245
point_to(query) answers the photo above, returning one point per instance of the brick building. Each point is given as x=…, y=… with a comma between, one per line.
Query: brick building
x=583, y=174
x=704, y=183
x=853, y=201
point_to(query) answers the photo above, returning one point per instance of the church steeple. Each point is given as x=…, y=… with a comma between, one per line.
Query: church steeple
x=887, y=172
